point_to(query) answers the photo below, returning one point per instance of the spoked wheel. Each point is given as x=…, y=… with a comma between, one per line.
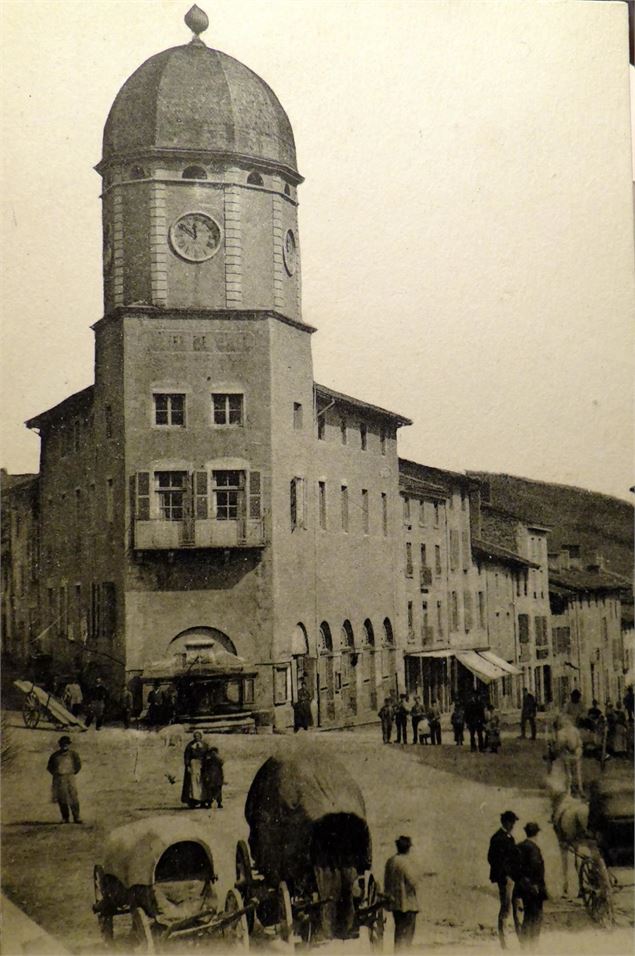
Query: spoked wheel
x=596, y=891
x=237, y=932
x=31, y=711
x=285, y=914
x=142, y=931
x=245, y=878
x=104, y=917
x=377, y=919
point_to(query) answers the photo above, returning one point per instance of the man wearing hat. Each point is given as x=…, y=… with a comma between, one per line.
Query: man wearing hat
x=502, y=857
x=530, y=886
x=401, y=892
x=63, y=765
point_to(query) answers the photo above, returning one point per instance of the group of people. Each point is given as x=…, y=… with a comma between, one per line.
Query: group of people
x=203, y=775
x=518, y=870
x=92, y=703
x=399, y=712
x=614, y=720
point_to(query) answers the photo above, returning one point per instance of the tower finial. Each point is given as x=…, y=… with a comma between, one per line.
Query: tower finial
x=198, y=21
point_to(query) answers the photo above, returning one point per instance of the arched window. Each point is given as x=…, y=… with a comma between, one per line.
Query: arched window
x=347, y=638
x=299, y=641
x=194, y=172
x=389, y=637
x=203, y=636
x=369, y=633
x=326, y=640
x=137, y=172
x=255, y=179
x=287, y=189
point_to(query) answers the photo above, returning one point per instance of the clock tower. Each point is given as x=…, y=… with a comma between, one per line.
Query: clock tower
x=200, y=186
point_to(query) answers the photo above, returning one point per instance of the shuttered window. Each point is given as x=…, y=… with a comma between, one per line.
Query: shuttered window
x=523, y=628
x=467, y=605
x=255, y=495
x=454, y=550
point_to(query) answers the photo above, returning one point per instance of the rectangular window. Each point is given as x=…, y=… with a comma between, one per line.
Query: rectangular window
x=343, y=431
x=481, y=609
x=344, y=505
x=422, y=514
x=411, y=621
x=363, y=436
x=424, y=558
x=298, y=418
x=406, y=510
x=436, y=514
x=463, y=501
x=281, y=682
x=384, y=513
x=365, y=514
x=227, y=409
x=454, y=550
x=454, y=610
x=322, y=504
x=382, y=441
x=110, y=501
x=467, y=610
x=440, y=618
x=523, y=628
x=227, y=489
x=437, y=559
x=297, y=500
x=170, y=488
x=169, y=409
x=408, y=559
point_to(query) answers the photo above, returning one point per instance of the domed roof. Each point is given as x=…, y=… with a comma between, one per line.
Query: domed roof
x=197, y=99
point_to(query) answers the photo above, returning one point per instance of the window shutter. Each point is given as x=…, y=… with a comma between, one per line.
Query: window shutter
x=465, y=542
x=255, y=496
x=467, y=604
x=293, y=503
x=200, y=494
x=143, y=496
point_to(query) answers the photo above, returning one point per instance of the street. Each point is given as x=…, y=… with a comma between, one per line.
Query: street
x=449, y=809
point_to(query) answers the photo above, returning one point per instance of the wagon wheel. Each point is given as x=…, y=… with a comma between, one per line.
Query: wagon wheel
x=236, y=932
x=245, y=878
x=31, y=712
x=285, y=914
x=104, y=917
x=595, y=889
x=142, y=931
x=377, y=919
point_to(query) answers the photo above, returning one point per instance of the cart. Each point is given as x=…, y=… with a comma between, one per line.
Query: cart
x=159, y=872
x=40, y=706
x=307, y=866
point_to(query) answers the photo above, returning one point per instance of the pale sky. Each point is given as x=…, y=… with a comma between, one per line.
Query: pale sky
x=466, y=223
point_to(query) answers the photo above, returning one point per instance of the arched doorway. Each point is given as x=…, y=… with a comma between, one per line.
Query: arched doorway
x=370, y=665
x=326, y=678
x=389, y=658
x=303, y=666
x=348, y=659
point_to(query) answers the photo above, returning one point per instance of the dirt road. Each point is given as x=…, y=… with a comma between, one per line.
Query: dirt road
x=47, y=868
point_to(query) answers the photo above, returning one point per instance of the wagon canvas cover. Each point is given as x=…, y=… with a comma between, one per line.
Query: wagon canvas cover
x=304, y=811
x=133, y=850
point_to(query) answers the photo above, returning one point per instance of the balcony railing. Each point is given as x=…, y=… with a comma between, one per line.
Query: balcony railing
x=161, y=535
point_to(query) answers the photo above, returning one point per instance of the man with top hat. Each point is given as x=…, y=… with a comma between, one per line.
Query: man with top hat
x=64, y=765
x=401, y=892
x=530, y=886
x=502, y=857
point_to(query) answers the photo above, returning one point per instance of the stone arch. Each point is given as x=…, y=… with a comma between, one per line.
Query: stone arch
x=299, y=640
x=201, y=634
x=347, y=637
x=255, y=179
x=389, y=637
x=194, y=172
x=369, y=633
x=326, y=638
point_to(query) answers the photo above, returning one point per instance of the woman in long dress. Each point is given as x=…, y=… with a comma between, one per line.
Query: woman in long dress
x=192, y=793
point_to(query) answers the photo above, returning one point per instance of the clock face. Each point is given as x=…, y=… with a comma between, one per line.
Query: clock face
x=195, y=236
x=289, y=252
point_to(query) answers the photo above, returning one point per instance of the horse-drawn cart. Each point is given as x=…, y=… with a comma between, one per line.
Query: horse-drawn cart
x=160, y=872
x=310, y=879
x=40, y=706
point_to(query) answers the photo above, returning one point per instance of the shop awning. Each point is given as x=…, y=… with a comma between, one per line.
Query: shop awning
x=484, y=669
x=510, y=669
x=448, y=652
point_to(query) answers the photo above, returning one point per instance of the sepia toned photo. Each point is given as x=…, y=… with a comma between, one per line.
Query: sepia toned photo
x=317, y=477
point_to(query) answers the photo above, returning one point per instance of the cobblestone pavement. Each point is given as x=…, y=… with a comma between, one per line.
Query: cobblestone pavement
x=47, y=868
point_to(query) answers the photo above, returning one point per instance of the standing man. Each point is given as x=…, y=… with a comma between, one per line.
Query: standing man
x=434, y=721
x=213, y=778
x=530, y=886
x=401, y=719
x=502, y=857
x=401, y=891
x=475, y=718
x=528, y=714
x=386, y=714
x=302, y=717
x=73, y=697
x=63, y=765
x=416, y=715
x=97, y=704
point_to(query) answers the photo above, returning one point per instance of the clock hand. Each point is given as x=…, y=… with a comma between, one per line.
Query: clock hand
x=193, y=230
x=187, y=230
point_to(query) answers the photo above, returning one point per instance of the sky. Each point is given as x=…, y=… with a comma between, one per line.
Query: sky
x=466, y=223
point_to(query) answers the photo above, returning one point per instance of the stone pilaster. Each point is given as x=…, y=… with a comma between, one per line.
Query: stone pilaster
x=278, y=262
x=233, y=249
x=117, y=241
x=158, y=245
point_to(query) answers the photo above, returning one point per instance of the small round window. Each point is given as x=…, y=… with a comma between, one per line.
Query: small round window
x=194, y=172
x=289, y=252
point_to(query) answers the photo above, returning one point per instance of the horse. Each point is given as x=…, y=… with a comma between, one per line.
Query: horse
x=569, y=817
x=566, y=745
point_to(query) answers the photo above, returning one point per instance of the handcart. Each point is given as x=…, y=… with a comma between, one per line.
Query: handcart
x=159, y=872
x=307, y=866
x=41, y=706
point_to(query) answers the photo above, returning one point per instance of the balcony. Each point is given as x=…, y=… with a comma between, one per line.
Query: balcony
x=425, y=578
x=160, y=535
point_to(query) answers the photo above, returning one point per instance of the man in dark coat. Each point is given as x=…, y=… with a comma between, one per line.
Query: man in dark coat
x=64, y=765
x=528, y=714
x=97, y=704
x=402, y=713
x=475, y=719
x=212, y=778
x=302, y=717
x=502, y=857
x=386, y=715
x=530, y=886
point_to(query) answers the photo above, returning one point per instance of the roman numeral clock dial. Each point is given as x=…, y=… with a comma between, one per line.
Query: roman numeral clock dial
x=195, y=237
